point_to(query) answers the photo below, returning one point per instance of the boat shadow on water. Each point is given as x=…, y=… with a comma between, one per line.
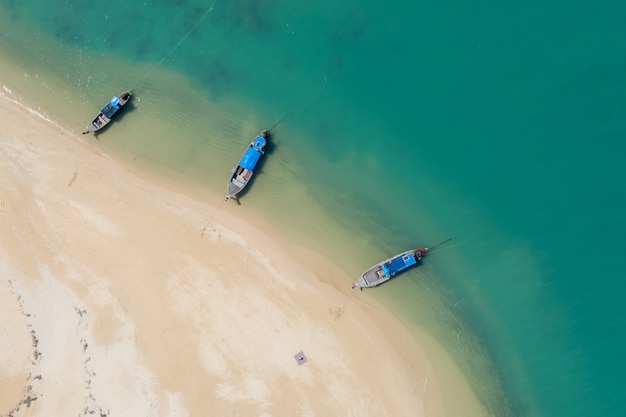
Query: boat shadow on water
x=269, y=149
x=130, y=107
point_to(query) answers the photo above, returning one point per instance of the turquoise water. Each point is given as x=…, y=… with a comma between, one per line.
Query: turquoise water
x=500, y=124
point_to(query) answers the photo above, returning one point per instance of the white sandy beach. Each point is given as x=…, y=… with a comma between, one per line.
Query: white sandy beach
x=121, y=297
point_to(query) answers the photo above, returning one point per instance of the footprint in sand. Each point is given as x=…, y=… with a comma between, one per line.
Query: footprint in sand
x=337, y=312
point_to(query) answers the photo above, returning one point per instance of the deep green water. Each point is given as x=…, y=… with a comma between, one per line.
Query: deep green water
x=499, y=123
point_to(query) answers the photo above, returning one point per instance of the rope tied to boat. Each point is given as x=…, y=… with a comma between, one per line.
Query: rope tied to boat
x=439, y=244
x=211, y=218
x=184, y=38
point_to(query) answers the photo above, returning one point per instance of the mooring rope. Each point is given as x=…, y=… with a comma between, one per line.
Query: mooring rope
x=314, y=99
x=430, y=250
x=145, y=77
x=211, y=218
x=293, y=113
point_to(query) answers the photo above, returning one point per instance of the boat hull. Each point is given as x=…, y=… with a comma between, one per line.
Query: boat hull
x=243, y=172
x=389, y=268
x=108, y=111
x=237, y=183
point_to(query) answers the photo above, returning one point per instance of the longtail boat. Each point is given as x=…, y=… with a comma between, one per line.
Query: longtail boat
x=242, y=173
x=389, y=268
x=108, y=111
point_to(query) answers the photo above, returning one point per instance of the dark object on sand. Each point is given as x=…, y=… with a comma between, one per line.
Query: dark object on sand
x=300, y=358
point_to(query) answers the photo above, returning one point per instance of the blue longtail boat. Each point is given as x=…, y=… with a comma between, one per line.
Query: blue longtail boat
x=389, y=268
x=244, y=170
x=108, y=111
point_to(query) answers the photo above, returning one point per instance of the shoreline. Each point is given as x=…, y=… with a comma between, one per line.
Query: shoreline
x=109, y=259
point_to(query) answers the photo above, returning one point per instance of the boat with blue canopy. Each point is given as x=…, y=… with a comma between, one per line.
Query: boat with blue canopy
x=389, y=268
x=108, y=111
x=244, y=170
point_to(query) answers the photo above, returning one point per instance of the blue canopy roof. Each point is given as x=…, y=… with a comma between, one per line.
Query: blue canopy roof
x=111, y=107
x=259, y=143
x=399, y=264
x=253, y=153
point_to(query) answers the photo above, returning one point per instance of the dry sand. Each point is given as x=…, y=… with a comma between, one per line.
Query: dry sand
x=122, y=297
